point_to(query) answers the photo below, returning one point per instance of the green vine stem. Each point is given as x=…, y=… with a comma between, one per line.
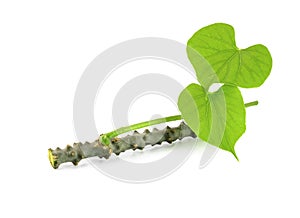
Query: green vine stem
x=106, y=138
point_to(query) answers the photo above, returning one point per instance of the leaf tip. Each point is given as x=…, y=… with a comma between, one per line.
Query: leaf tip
x=235, y=155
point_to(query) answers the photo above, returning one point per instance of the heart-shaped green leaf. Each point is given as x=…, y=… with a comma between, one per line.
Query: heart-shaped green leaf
x=215, y=43
x=218, y=117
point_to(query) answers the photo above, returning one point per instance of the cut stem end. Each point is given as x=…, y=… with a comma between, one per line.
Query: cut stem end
x=52, y=159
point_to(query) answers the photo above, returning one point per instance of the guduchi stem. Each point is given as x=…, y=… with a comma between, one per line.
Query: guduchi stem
x=135, y=141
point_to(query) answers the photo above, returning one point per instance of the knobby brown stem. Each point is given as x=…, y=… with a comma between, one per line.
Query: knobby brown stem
x=135, y=141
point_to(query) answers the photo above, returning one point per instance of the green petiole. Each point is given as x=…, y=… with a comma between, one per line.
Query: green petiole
x=253, y=103
x=106, y=138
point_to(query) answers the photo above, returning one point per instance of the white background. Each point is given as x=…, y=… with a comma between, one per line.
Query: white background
x=45, y=47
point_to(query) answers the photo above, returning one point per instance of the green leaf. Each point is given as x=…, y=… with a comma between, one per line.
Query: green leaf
x=228, y=64
x=217, y=118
